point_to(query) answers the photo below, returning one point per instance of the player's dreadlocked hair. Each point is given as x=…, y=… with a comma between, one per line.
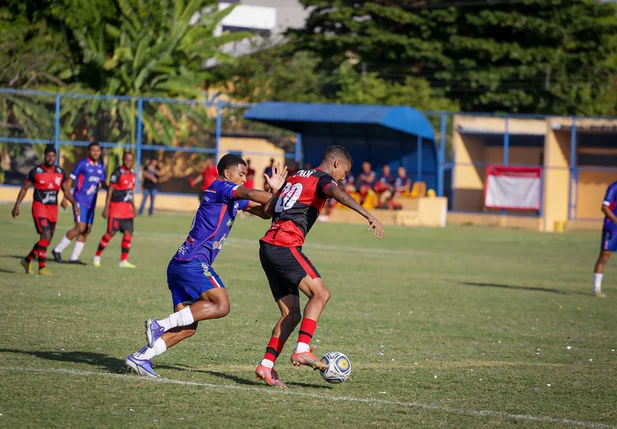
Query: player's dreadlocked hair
x=228, y=161
x=336, y=152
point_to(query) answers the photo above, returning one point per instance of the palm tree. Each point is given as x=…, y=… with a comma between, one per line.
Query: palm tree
x=151, y=51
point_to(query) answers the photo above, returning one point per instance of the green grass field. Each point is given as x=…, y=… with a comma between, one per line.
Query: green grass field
x=458, y=327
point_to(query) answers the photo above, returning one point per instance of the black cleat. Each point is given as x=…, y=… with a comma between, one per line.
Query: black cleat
x=77, y=262
x=57, y=256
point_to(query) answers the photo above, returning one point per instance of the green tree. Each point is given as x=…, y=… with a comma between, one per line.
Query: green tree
x=523, y=56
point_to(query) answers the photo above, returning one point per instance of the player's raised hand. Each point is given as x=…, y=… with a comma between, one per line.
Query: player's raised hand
x=376, y=225
x=278, y=178
x=15, y=212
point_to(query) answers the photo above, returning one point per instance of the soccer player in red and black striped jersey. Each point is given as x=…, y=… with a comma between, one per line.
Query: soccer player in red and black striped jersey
x=288, y=270
x=48, y=179
x=119, y=210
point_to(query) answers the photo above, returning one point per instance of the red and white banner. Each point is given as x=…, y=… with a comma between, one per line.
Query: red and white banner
x=514, y=188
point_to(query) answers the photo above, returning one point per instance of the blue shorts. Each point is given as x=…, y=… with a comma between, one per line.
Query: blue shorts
x=187, y=280
x=86, y=214
x=609, y=240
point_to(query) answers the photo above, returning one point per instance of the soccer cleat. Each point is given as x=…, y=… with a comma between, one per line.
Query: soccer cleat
x=598, y=294
x=141, y=367
x=77, y=262
x=270, y=376
x=126, y=264
x=96, y=261
x=27, y=266
x=44, y=272
x=154, y=331
x=57, y=256
x=308, y=359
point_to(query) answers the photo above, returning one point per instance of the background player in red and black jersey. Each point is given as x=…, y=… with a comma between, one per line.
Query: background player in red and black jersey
x=47, y=179
x=120, y=210
x=288, y=270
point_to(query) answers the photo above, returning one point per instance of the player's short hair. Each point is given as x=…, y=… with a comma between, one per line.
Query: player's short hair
x=50, y=148
x=128, y=152
x=93, y=143
x=228, y=161
x=336, y=152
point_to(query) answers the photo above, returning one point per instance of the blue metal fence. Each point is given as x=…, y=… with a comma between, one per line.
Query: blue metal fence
x=136, y=123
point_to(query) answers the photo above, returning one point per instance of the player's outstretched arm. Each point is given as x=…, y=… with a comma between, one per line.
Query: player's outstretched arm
x=66, y=190
x=344, y=198
x=609, y=213
x=20, y=198
x=262, y=211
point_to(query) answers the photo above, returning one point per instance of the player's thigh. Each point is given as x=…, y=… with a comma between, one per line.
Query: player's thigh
x=188, y=280
x=126, y=226
x=314, y=287
x=273, y=260
x=609, y=241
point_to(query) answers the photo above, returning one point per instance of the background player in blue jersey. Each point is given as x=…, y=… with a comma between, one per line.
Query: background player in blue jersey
x=87, y=176
x=609, y=237
x=196, y=290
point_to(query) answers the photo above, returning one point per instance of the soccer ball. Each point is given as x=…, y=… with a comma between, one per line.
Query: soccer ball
x=339, y=367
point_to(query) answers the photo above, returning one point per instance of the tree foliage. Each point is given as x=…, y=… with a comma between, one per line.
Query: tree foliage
x=521, y=56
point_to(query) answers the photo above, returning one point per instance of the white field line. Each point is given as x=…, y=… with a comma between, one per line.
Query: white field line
x=272, y=391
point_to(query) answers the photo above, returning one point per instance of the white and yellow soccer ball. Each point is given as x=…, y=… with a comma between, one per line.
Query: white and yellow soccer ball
x=339, y=367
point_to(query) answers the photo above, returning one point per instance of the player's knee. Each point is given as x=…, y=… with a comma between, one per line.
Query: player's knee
x=82, y=228
x=293, y=317
x=223, y=309
x=322, y=294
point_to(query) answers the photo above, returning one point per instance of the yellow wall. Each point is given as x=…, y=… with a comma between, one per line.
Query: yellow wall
x=556, y=177
x=250, y=146
x=468, y=180
x=516, y=155
x=592, y=188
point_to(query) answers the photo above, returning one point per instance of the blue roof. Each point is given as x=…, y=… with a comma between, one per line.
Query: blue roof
x=302, y=117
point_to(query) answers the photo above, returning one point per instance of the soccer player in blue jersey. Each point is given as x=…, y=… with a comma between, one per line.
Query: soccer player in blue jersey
x=196, y=290
x=609, y=237
x=87, y=176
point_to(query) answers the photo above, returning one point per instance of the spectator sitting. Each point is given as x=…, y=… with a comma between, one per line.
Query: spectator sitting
x=385, y=187
x=366, y=180
x=349, y=184
x=151, y=185
x=250, y=175
x=402, y=184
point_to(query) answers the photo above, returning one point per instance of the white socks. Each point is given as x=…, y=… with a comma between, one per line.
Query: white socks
x=267, y=363
x=64, y=243
x=79, y=246
x=597, y=282
x=148, y=353
x=183, y=317
x=303, y=347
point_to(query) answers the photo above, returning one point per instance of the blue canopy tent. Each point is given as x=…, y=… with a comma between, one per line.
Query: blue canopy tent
x=379, y=134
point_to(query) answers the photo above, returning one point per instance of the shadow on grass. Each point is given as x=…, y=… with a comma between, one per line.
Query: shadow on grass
x=114, y=365
x=530, y=288
x=2, y=270
x=101, y=360
x=249, y=382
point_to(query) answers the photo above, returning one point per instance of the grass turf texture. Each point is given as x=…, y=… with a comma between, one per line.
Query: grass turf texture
x=440, y=325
